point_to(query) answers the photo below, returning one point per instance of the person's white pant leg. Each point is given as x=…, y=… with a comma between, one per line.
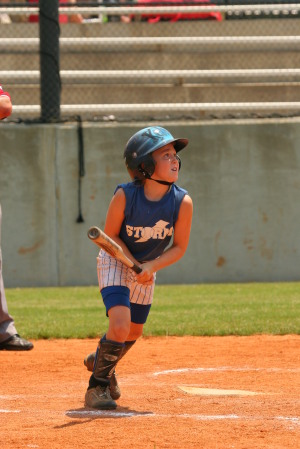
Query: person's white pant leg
x=7, y=326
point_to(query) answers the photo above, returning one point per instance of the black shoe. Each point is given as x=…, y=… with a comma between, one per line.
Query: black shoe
x=16, y=343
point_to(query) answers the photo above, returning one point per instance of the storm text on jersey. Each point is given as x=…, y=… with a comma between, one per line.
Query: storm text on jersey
x=158, y=231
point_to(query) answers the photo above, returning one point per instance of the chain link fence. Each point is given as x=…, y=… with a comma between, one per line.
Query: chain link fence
x=150, y=60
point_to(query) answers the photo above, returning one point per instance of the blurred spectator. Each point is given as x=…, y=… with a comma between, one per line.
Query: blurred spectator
x=116, y=18
x=4, y=18
x=19, y=17
x=63, y=18
x=75, y=18
x=174, y=17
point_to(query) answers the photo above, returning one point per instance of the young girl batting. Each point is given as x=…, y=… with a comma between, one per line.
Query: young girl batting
x=143, y=217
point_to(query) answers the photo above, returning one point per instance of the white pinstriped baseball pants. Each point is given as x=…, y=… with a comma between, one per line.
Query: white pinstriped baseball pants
x=112, y=272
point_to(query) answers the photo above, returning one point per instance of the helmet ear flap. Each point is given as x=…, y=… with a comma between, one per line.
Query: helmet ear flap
x=143, y=172
x=147, y=167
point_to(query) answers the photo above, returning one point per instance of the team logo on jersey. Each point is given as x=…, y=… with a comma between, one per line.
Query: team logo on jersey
x=158, y=232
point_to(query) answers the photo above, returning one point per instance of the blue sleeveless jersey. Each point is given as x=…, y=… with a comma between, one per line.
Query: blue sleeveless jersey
x=148, y=225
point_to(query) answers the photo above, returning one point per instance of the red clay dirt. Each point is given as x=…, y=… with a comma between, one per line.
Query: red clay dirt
x=42, y=395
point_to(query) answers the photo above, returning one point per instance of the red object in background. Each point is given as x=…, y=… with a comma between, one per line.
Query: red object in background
x=175, y=17
x=63, y=18
x=4, y=93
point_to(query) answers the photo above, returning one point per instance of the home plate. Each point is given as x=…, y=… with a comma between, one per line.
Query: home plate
x=215, y=392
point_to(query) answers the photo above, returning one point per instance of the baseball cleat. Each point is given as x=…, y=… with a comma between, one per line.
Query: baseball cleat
x=100, y=398
x=16, y=343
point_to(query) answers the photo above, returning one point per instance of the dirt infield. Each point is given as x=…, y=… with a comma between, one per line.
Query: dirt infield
x=177, y=392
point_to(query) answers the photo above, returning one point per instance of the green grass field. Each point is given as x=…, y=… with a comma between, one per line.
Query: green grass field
x=219, y=309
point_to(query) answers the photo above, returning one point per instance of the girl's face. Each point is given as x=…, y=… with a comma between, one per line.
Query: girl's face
x=167, y=164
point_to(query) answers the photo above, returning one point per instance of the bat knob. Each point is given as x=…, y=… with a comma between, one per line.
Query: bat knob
x=93, y=233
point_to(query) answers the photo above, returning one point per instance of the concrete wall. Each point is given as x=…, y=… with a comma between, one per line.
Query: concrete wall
x=244, y=178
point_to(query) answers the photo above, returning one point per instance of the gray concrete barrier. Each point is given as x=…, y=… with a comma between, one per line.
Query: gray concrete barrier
x=243, y=177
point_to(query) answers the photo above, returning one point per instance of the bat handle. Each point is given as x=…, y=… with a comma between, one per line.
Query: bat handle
x=136, y=268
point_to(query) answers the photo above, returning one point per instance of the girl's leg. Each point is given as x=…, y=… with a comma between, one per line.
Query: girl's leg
x=119, y=323
x=110, y=347
x=98, y=394
x=136, y=331
x=126, y=322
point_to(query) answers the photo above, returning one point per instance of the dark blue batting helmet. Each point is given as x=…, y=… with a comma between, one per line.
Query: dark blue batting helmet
x=142, y=144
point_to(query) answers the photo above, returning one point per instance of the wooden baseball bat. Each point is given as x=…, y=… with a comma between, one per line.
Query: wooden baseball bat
x=111, y=247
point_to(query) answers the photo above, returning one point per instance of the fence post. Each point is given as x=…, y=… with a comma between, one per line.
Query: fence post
x=49, y=60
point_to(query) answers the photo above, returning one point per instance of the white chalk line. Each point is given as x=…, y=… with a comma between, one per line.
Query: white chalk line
x=226, y=368
x=113, y=414
x=199, y=417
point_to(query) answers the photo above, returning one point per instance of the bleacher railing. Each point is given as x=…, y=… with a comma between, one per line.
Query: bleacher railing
x=175, y=78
